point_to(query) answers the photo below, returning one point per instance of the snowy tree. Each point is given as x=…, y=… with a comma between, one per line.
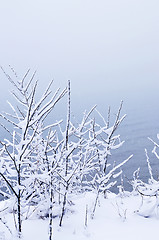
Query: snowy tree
x=149, y=191
x=83, y=156
x=43, y=165
x=103, y=141
x=18, y=156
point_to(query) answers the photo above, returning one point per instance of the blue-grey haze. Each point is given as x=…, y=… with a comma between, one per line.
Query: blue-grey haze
x=108, y=49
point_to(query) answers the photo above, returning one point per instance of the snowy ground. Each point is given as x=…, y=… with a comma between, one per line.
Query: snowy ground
x=115, y=218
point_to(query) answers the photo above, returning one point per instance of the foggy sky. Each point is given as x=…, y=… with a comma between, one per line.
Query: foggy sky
x=107, y=48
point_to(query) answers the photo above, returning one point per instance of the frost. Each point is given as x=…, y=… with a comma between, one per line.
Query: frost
x=42, y=165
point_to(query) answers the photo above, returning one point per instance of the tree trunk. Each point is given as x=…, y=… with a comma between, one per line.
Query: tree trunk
x=19, y=205
x=64, y=204
x=50, y=212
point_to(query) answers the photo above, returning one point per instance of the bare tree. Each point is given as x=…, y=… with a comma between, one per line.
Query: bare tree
x=18, y=156
x=43, y=164
x=149, y=191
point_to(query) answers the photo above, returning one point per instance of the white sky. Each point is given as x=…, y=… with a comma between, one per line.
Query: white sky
x=109, y=49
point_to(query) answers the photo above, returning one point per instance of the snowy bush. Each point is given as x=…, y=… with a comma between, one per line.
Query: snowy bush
x=19, y=154
x=149, y=191
x=42, y=165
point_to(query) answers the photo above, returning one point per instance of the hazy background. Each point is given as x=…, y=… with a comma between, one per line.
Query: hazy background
x=109, y=49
